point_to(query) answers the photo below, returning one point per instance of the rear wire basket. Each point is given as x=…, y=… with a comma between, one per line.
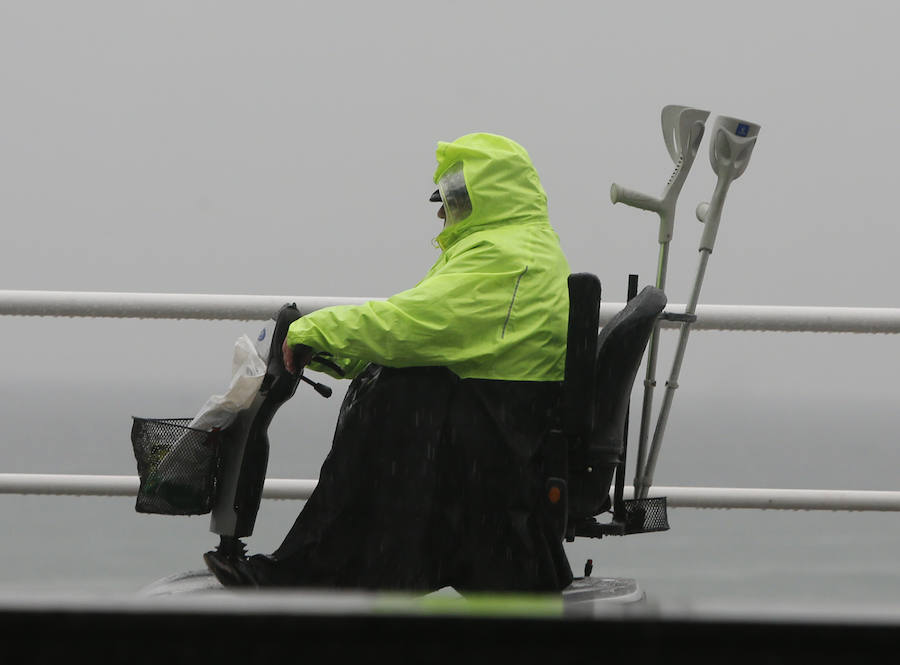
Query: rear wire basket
x=177, y=466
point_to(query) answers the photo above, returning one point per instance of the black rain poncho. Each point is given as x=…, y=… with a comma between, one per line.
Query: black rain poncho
x=431, y=481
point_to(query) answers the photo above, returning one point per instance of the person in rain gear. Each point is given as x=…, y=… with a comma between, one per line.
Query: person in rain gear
x=434, y=477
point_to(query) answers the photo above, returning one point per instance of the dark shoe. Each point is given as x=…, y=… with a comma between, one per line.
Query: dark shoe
x=260, y=569
x=227, y=570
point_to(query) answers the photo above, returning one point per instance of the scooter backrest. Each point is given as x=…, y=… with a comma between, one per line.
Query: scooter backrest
x=581, y=350
x=620, y=348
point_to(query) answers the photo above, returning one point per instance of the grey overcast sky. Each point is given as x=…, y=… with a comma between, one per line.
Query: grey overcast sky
x=288, y=148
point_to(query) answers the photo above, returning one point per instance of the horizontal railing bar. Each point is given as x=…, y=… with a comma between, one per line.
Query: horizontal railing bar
x=158, y=305
x=677, y=497
x=105, y=485
x=779, y=499
x=789, y=318
x=781, y=318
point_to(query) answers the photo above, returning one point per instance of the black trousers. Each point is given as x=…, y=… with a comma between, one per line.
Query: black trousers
x=431, y=481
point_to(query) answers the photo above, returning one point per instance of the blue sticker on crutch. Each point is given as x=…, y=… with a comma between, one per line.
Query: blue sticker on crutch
x=742, y=129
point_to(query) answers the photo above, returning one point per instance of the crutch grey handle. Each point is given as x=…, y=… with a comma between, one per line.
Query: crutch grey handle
x=731, y=144
x=682, y=129
x=619, y=194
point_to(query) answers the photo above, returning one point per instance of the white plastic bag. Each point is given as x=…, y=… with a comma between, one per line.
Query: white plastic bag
x=248, y=370
x=219, y=411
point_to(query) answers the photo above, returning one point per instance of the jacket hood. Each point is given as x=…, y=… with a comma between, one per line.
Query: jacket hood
x=502, y=184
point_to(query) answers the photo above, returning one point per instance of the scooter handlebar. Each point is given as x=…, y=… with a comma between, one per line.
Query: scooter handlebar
x=320, y=388
x=619, y=194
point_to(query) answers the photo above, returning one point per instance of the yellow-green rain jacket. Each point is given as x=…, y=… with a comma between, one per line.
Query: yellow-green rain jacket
x=493, y=306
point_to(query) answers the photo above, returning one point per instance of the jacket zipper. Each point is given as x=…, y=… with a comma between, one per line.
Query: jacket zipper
x=513, y=301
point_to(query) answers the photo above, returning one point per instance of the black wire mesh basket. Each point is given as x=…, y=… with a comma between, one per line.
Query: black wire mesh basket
x=646, y=515
x=177, y=466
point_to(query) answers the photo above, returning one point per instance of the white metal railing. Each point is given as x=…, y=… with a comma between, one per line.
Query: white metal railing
x=261, y=308
x=677, y=497
x=246, y=308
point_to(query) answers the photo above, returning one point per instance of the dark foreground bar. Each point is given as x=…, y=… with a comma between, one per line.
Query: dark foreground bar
x=164, y=638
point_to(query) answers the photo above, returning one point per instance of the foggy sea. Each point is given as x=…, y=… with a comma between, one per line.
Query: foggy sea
x=102, y=544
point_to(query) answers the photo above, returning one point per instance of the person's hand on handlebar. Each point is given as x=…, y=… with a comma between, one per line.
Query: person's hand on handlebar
x=296, y=357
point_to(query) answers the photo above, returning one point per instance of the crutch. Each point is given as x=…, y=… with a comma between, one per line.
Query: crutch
x=730, y=146
x=682, y=129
